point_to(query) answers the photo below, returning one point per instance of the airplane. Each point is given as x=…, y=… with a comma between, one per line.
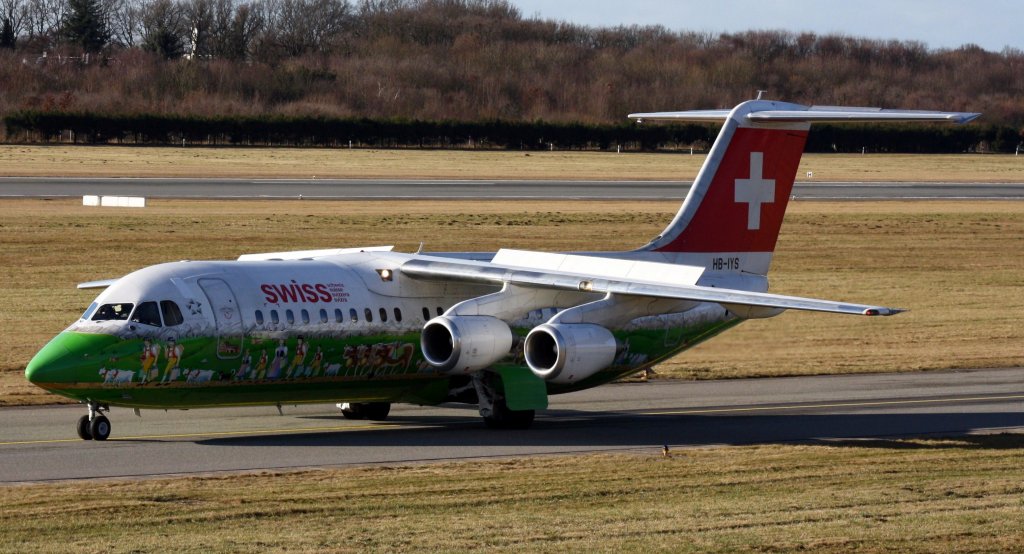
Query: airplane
x=368, y=327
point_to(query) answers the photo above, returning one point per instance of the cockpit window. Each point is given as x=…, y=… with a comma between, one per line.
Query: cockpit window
x=90, y=310
x=172, y=315
x=115, y=312
x=147, y=314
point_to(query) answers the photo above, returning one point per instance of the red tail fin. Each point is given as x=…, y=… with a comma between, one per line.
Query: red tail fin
x=743, y=206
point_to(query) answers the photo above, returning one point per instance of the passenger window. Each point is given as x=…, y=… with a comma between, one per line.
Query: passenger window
x=337, y=316
x=290, y=317
x=113, y=312
x=353, y=315
x=398, y=315
x=383, y=314
x=369, y=314
x=90, y=310
x=426, y=313
x=440, y=311
x=274, y=318
x=305, y=316
x=172, y=315
x=323, y=316
x=147, y=314
x=259, y=317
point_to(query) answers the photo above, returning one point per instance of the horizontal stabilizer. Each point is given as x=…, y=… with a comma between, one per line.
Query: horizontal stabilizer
x=813, y=114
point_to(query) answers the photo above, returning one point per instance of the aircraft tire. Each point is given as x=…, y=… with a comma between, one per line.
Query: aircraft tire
x=99, y=428
x=354, y=411
x=504, y=418
x=83, y=428
x=376, y=411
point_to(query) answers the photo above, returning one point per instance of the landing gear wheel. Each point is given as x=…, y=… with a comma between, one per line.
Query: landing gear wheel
x=352, y=410
x=83, y=428
x=99, y=428
x=503, y=418
x=374, y=411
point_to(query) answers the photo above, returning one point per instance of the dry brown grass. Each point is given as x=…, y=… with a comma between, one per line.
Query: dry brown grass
x=957, y=265
x=117, y=161
x=935, y=495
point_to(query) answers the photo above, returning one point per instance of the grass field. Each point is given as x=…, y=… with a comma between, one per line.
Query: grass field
x=956, y=265
x=934, y=495
x=118, y=161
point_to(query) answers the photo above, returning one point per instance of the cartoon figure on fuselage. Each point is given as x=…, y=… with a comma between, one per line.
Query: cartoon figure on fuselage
x=245, y=368
x=280, y=354
x=300, y=354
x=174, y=351
x=314, y=366
x=261, y=366
x=150, y=353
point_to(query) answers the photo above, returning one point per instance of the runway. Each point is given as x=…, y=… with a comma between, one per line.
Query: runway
x=396, y=189
x=39, y=444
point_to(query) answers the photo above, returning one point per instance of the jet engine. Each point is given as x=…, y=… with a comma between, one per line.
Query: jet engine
x=565, y=353
x=462, y=344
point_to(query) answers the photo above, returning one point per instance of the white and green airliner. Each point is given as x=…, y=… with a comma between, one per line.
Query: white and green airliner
x=368, y=327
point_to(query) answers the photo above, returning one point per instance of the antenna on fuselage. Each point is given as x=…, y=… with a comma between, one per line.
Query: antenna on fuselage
x=760, y=94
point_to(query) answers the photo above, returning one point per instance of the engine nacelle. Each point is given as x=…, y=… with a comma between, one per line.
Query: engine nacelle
x=462, y=344
x=565, y=353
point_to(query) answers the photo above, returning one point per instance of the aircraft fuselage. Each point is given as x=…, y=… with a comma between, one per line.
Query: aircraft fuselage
x=194, y=334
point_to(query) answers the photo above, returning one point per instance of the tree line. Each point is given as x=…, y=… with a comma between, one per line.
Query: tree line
x=453, y=60
x=36, y=126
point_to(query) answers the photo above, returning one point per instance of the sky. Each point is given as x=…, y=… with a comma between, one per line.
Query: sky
x=991, y=24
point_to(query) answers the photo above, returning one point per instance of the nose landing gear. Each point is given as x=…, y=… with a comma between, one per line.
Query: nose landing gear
x=94, y=426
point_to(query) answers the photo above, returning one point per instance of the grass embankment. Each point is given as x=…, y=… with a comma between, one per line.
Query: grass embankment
x=953, y=495
x=117, y=161
x=957, y=265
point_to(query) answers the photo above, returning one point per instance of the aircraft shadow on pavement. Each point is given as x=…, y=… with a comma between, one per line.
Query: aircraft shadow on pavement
x=566, y=430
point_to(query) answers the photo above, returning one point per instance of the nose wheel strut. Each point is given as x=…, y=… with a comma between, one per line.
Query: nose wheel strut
x=95, y=425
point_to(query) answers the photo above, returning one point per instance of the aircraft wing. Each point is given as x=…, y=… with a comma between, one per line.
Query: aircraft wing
x=102, y=284
x=426, y=267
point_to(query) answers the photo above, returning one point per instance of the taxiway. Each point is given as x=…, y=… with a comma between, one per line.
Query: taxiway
x=39, y=443
x=392, y=189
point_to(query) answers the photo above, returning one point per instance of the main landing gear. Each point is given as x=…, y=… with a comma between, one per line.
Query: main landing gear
x=94, y=426
x=493, y=406
x=374, y=411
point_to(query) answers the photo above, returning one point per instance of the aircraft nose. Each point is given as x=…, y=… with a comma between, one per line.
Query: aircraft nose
x=57, y=361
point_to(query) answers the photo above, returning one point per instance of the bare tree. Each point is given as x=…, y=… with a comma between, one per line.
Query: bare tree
x=14, y=16
x=125, y=21
x=300, y=26
x=234, y=29
x=45, y=17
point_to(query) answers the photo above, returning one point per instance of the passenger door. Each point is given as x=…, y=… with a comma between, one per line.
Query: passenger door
x=227, y=316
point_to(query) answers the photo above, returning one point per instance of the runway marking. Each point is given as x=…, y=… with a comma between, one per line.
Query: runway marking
x=218, y=434
x=839, y=405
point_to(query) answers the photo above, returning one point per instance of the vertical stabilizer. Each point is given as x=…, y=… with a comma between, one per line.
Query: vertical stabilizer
x=731, y=218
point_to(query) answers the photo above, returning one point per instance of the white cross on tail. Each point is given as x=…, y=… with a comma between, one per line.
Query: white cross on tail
x=755, y=191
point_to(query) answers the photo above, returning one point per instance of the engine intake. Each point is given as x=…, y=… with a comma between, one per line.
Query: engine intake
x=463, y=344
x=565, y=353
